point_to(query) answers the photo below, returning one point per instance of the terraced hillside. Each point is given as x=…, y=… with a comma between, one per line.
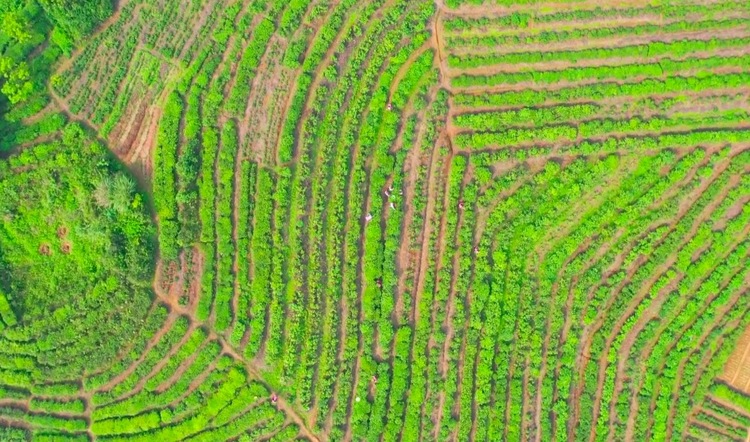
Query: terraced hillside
x=397, y=220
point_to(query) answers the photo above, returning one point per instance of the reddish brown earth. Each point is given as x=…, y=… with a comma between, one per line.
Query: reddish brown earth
x=737, y=370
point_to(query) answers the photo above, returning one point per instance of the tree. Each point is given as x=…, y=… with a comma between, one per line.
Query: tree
x=15, y=26
x=17, y=86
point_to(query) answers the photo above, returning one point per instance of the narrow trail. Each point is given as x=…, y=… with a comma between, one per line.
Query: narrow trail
x=487, y=9
x=441, y=183
x=254, y=119
x=81, y=46
x=538, y=411
x=49, y=109
x=237, y=266
x=203, y=17
x=715, y=429
x=65, y=109
x=453, y=297
x=691, y=96
x=282, y=404
x=424, y=236
x=423, y=264
x=603, y=362
x=405, y=255
x=719, y=322
x=564, y=84
x=722, y=418
x=606, y=42
x=411, y=250
x=334, y=351
x=152, y=342
x=140, y=385
x=495, y=68
x=317, y=80
x=642, y=293
x=437, y=44
x=730, y=405
x=644, y=353
x=181, y=369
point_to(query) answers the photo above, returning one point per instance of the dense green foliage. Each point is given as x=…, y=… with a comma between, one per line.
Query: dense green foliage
x=383, y=220
x=75, y=19
x=76, y=247
x=26, y=24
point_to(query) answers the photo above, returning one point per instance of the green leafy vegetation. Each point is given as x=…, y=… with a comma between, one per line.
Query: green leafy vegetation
x=403, y=220
x=76, y=249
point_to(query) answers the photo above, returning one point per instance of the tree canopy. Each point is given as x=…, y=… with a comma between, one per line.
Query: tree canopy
x=76, y=250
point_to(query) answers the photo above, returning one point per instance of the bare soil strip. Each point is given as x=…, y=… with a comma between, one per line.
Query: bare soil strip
x=737, y=369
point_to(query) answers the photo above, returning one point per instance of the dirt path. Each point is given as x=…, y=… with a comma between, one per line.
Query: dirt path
x=570, y=217
x=468, y=374
x=738, y=365
x=694, y=98
x=406, y=254
x=488, y=9
x=152, y=342
x=568, y=322
x=317, y=80
x=412, y=246
x=588, y=332
x=350, y=126
x=722, y=418
x=492, y=68
x=140, y=385
x=215, y=177
x=251, y=368
x=729, y=405
x=603, y=361
x=281, y=403
x=237, y=266
x=320, y=235
x=415, y=246
x=203, y=17
x=49, y=109
x=564, y=84
x=451, y=328
x=406, y=258
x=643, y=355
x=683, y=209
x=433, y=177
x=181, y=369
x=437, y=45
x=714, y=429
x=65, y=109
x=423, y=265
x=403, y=71
x=68, y=62
x=604, y=43
x=654, y=305
x=442, y=183
x=442, y=260
x=534, y=28
x=538, y=411
x=718, y=322
x=558, y=145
